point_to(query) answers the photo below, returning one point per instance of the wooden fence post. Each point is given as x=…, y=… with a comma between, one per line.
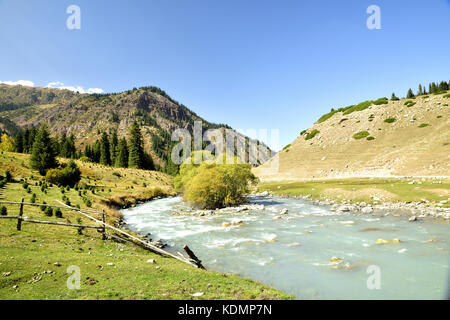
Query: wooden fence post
x=19, y=221
x=104, y=227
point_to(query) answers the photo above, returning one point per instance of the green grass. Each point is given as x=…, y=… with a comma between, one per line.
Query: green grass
x=409, y=103
x=35, y=249
x=390, y=120
x=423, y=125
x=361, y=135
x=287, y=146
x=398, y=187
x=447, y=96
x=312, y=134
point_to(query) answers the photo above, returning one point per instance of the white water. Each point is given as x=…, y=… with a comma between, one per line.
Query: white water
x=298, y=261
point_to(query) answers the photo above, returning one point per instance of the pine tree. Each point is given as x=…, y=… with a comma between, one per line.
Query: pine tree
x=410, y=94
x=114, y=144
x=420, y=92
x=122, y=154
x=136, y=147
x=105, y=155
x=43, y=155
x=18, y=143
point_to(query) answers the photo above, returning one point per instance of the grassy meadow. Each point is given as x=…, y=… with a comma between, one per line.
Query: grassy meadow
x=34, y=261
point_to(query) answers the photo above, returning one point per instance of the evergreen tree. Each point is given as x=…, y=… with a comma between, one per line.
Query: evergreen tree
x=105, y=154
x=410, y=94
x=18, y=143
x=114, y=144
x=136, y=147
x=122, y=154
x=420, y=92
x=43, y=155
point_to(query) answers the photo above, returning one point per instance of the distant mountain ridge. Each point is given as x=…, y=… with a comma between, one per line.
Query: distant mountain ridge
x=88, y=115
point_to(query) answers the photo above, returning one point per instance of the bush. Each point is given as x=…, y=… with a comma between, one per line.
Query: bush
x=33, y=198
x=211, y=185
x=361, y=135
x=423, y=125
x=8, y=176
x=58, y=213
x=370, y=138
x=2, y=183
x=390, y=120
x=447, y=96
x=312, y=134
x=69, y=176
x=409, y=103
x=85, y=159
x=3, y=211
x=48, y=211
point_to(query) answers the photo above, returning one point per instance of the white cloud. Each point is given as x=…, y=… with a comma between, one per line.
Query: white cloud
x=25, y=83
x=60, y=85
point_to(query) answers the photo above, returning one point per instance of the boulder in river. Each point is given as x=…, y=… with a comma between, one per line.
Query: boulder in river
x=387, y=241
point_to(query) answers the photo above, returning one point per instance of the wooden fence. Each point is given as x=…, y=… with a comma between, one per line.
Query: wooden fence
x=101, y=227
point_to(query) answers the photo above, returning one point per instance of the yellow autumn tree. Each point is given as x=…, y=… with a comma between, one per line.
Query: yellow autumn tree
x=7, y=143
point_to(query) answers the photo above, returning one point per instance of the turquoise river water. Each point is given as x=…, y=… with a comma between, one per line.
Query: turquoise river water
x=293, y=253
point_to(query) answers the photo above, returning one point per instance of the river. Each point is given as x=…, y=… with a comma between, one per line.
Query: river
x=293, y=253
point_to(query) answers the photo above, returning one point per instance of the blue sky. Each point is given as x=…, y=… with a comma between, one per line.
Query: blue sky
x=248, y=63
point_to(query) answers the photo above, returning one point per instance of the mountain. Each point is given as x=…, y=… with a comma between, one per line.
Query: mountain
x=87, y=116
x=404, y=137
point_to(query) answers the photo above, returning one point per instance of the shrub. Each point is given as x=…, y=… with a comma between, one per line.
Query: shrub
x=2, y=183
x=48, y=211
x=58, y=213
x=3, y=211
x=33, y=198
x=381, y=101
x=361, y=135
x=8, y=176
x=390, y=120
x=312, y=134
x=43, y=207
x=54, y=176
x=80, y=229
x=287, y=146
x=116, y=174
x=423, y=125
x=211, y=185
x=69, y=176
x=409, y=103
x=85, y=159
x=370, y=138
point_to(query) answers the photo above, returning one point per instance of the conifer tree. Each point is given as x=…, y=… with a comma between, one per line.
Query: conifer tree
x=18, y=143
x=410, y=94
x=122, y=154
x=105, y=155
x=420, y=92
x=43, y=155
x=114, y=144
x=136, y=147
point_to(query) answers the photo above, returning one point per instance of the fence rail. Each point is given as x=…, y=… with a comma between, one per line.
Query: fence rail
x=101, y=227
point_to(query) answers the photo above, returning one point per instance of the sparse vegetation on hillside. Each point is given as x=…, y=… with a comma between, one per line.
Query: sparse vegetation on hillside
x=361, y=135
x=312, y=134
x=390, y=120
x=423, y=125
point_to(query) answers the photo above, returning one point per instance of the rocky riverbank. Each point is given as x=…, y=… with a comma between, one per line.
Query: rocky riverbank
x=411, y=210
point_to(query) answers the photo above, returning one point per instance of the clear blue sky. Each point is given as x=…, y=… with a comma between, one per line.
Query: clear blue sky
x=248, y=63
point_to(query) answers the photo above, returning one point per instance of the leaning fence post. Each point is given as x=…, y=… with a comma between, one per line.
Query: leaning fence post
x=19, y=220
x=104, y=226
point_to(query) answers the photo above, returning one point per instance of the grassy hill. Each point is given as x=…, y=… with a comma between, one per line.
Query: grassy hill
x=381, y=138
x=34, y=261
